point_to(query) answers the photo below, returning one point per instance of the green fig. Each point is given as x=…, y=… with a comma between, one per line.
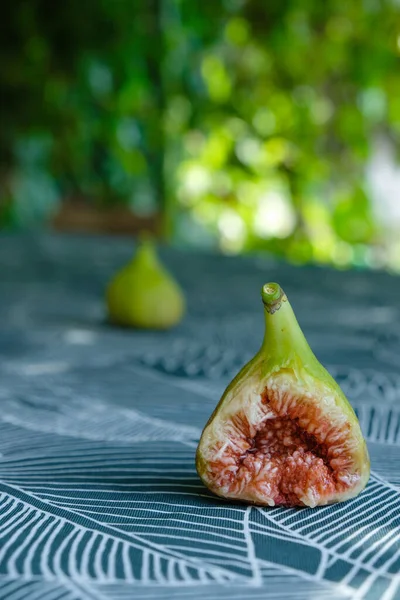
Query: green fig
x=283, y=432
x=143, y=294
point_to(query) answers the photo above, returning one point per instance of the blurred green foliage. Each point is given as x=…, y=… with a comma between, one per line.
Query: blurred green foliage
x=247, y=123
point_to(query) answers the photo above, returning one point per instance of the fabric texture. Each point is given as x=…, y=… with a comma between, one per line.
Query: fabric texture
x=99, y=497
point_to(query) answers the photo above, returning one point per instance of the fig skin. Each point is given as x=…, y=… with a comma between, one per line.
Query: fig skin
x=143, y=294
x=283, y=432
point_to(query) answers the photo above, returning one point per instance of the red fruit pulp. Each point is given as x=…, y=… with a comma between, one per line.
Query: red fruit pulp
x=294, y=456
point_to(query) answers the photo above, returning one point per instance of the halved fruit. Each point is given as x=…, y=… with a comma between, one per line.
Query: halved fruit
x=283, y=432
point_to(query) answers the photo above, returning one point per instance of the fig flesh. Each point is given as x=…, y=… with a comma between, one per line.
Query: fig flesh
x=283, y=432
x=143, y=294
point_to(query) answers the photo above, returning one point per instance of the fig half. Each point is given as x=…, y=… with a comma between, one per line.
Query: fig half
x=283, y=432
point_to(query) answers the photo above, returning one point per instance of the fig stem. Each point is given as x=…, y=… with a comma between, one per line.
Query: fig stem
x=272, y=294
x=283, y=338
x=145, y=254
x=145, y=237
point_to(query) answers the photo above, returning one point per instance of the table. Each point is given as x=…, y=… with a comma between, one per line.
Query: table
x=99, y=497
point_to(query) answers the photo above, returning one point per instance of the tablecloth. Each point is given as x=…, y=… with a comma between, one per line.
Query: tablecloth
x=99, y=497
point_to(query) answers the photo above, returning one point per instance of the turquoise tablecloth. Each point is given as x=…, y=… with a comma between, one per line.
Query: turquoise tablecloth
x=99, y=498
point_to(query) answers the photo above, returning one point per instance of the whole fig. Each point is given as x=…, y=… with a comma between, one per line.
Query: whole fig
x=283, y=432
x=143, y=294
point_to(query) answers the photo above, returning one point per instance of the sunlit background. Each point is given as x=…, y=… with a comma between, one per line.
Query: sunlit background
x=235, y=125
